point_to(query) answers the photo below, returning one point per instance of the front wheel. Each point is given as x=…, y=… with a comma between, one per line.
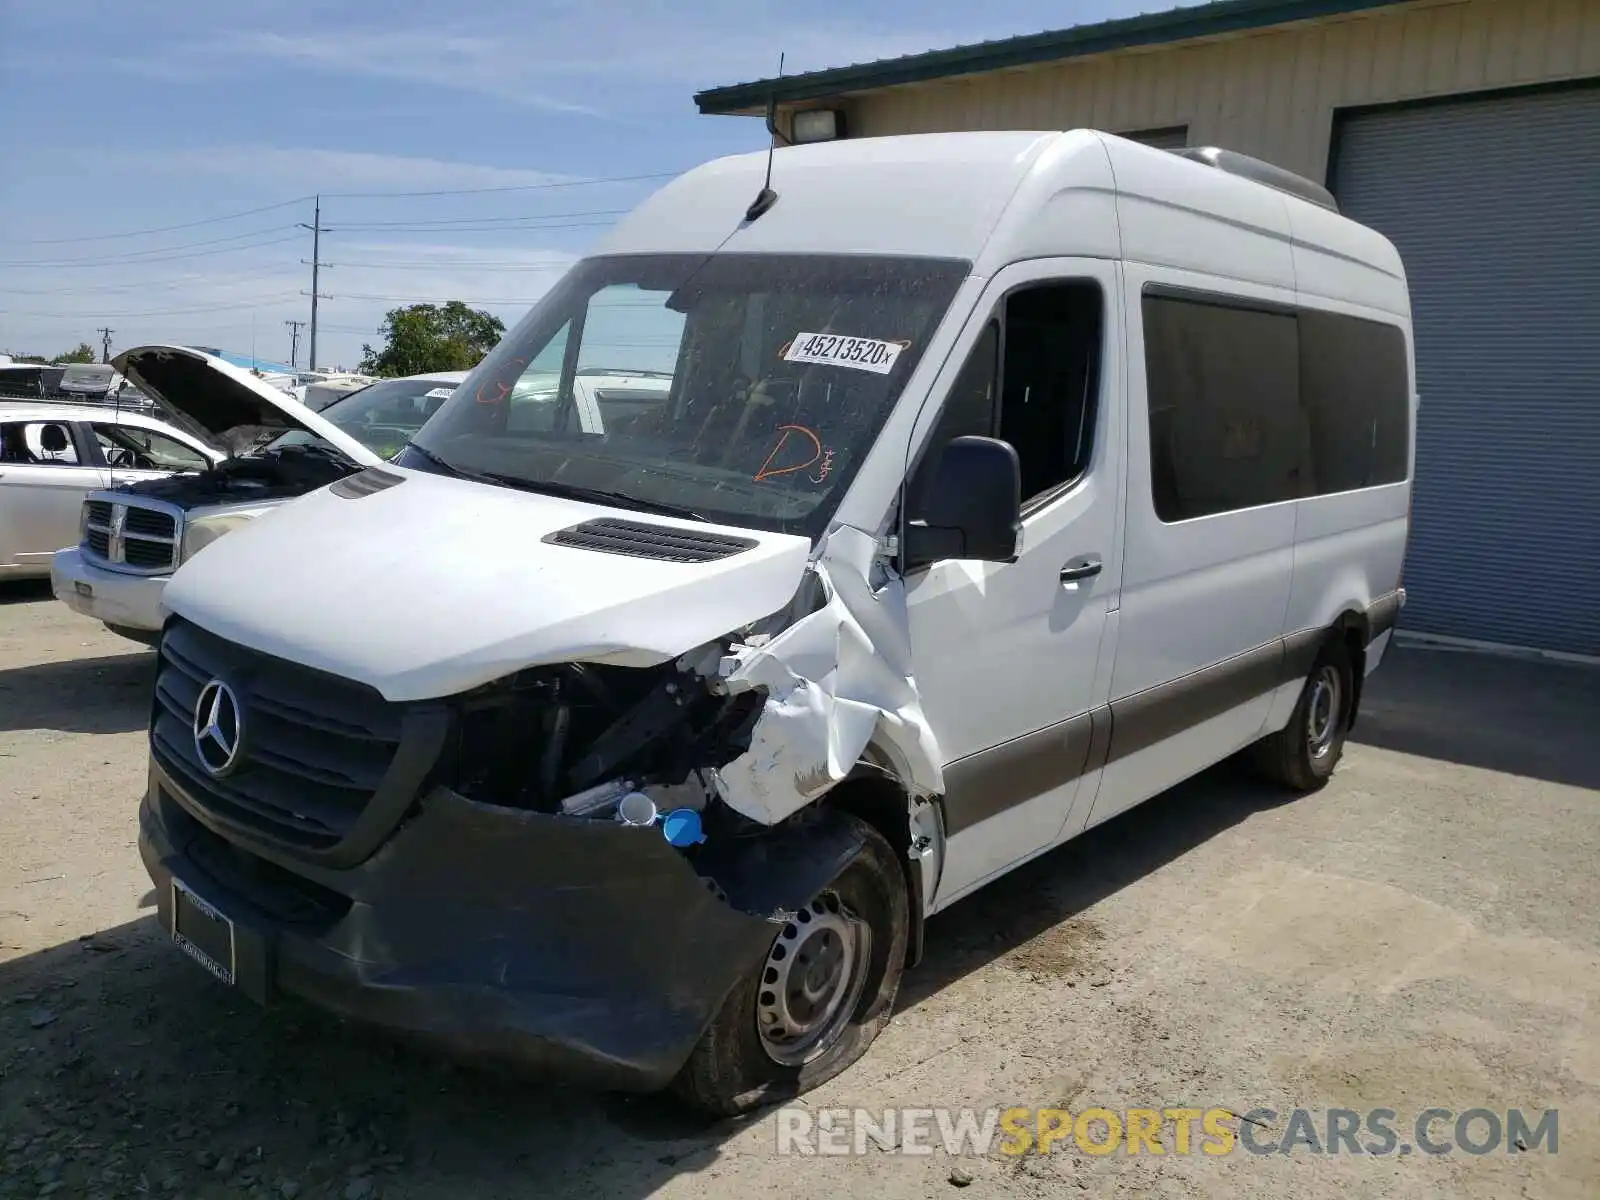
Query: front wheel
x=1303, y=754
x=817, y=1000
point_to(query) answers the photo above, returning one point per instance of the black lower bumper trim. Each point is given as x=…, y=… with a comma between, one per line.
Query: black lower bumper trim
x=577, y=947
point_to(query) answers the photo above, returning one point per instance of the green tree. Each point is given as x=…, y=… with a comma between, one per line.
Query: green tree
x=432, y=337
x=83, y=354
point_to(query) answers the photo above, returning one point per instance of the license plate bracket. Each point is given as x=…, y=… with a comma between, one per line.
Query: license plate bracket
x=204, y=933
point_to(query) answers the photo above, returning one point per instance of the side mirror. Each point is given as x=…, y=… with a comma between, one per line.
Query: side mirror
x=971, y=508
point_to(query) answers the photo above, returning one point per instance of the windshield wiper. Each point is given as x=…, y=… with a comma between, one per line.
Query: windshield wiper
x=450, y=467
x=573, y=491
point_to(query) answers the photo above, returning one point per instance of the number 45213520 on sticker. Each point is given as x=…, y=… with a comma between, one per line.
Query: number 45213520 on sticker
x=836, y=350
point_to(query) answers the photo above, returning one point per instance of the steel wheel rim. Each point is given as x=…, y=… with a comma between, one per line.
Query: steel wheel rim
x=1323, y=711
x=812, y=981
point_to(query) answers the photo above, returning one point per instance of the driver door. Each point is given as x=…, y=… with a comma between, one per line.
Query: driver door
x=1012, y=659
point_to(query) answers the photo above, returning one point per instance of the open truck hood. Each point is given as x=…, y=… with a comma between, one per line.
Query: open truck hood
x=428, y=586
x=226, y=405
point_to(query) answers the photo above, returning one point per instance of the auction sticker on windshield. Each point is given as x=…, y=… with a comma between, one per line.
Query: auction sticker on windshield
x=836, y=350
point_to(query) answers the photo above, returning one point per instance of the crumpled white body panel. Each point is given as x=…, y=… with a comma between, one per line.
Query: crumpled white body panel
x=837, y=680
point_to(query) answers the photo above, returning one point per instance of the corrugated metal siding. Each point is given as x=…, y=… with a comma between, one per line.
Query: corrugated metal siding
x=1270, y=94
x=1495, y=207
x=1160, y=139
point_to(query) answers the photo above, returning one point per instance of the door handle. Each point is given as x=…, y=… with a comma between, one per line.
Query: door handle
x=1084, y=568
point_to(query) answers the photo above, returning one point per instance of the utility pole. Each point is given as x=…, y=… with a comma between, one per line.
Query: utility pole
x=316, y=265
x=105, y=343
x=294, y=341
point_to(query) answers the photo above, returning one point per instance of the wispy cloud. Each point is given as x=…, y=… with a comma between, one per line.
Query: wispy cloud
x=604, y=57
x=295, y=168
x=438, y=58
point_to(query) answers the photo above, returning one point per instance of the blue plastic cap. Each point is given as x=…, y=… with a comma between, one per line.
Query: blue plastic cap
x=681, y=827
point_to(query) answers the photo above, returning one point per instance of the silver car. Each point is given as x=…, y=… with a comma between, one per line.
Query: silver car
x=52, y=455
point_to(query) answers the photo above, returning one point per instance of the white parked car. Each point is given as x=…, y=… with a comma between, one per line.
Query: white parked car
x=133, y=536
x=1004, y=480
x=53, y=454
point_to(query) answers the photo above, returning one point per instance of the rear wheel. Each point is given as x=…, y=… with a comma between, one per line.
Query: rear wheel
x=1303, y=754
x=817, y=1000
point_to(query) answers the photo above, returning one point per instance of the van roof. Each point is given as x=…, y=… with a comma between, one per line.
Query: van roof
x=934, y=194
x=994, y=198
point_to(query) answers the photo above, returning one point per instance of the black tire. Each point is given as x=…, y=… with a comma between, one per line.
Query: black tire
x=1296, y=757
x=731, y=1070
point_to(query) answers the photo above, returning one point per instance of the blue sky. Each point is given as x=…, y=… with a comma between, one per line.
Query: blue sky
x=141, y=115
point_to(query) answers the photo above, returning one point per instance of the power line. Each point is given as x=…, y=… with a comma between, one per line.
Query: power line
x=476, y=228
x=432, y=299
x=141, y=255
x=488, y=264
x=445, y=222
x=153, y=285
x=510, y=187
x=550, y=185
x=107, y=237
x=259, y=302
x=68, y=264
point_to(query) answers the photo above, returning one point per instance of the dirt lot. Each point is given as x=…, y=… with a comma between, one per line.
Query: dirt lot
x=1425, y=932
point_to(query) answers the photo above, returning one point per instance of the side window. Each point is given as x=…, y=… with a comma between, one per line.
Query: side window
x=38, y=443
x=1226, y=430
x=1042, y=398
x=132, y=446
x=969, y=409
x=1050, y=382
x=1355, y=391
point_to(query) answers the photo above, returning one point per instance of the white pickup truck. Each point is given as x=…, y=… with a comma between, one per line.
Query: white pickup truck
x=134, y=535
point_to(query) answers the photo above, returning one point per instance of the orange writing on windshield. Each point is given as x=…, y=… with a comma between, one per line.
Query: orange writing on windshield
x=794, y=442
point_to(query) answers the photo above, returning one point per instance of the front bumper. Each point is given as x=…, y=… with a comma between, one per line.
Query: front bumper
x=579, y=948
x=131, y=602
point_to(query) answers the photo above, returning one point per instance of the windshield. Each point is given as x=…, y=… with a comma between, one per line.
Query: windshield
x=381, y=417
x=745, y=389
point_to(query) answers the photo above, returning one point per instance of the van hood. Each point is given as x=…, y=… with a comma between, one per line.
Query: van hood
x=224, y=405
x=423, y=586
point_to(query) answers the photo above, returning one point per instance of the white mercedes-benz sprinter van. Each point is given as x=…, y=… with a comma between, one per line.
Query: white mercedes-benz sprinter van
x=1002, y=481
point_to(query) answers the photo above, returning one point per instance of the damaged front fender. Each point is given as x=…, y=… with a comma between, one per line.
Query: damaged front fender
x=836, y=682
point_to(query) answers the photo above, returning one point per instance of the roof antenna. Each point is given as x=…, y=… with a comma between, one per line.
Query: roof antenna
x=766, y=197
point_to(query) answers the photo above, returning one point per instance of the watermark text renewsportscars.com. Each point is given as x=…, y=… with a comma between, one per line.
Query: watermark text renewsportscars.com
x=1211, y=1131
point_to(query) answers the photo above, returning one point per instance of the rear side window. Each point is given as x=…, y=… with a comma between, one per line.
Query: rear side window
x=1252, y=406
x=1357, y=406
x=38, y=443
x=1225, y=428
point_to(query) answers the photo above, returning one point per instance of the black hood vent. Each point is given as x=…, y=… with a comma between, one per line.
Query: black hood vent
x=663, y=543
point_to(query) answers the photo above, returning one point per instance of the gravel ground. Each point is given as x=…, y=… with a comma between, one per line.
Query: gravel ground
x=1423, y=932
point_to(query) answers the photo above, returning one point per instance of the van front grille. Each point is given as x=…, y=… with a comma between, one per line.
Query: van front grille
x=312, y=749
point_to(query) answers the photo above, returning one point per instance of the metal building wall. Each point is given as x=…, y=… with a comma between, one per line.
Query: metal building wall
x=1270, y=94
x=1505, y=285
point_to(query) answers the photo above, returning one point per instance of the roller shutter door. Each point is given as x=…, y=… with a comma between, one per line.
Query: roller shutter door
x=1495, y=207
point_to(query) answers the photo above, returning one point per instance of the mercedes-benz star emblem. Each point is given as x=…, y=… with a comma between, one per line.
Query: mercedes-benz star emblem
x=218, y=727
